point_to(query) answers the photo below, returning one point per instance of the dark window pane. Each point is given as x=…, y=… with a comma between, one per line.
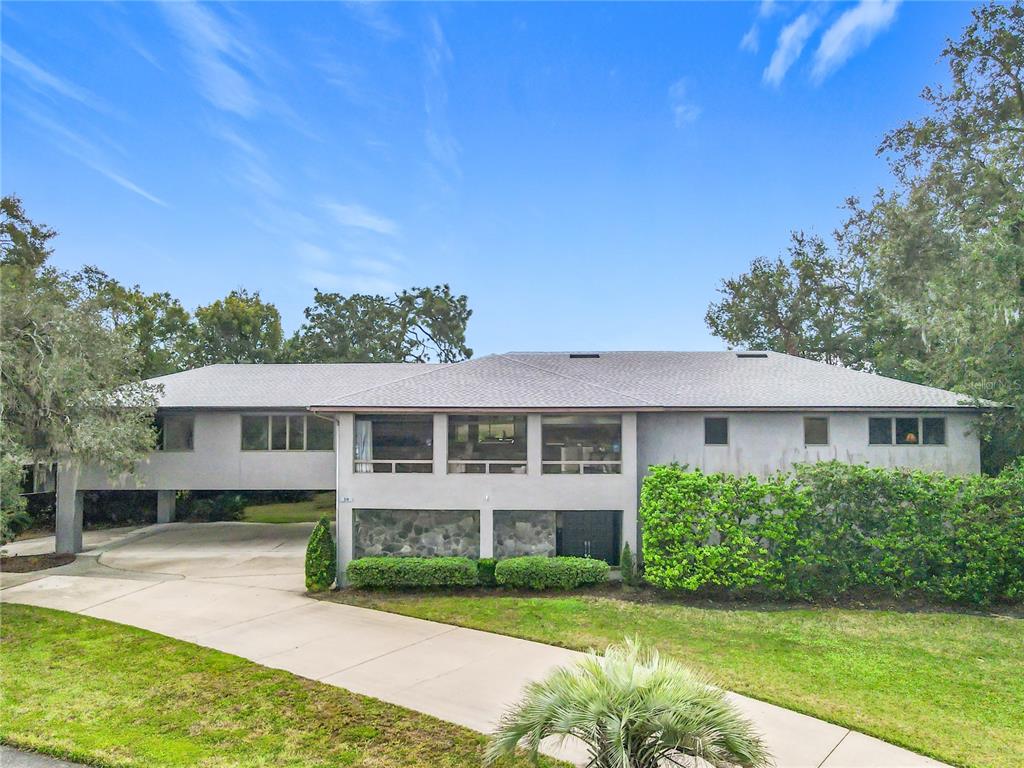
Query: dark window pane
x=602, y=469
x=254, y=433
x=580, y=438
x=296, y=433
x=880, y=431
x=394, y=438
x=178, y=432
x=465, y=468
x=411, y=468
x=278, y=433
x=934, y=431
x=508, y=469
x=907, y=432
x=716, y=431
x=561, y=469
x=816, y=430
x=486, y=438
x=319, y=434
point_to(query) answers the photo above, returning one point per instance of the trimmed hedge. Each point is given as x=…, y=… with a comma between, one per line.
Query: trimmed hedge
x=412, y=572
x=539, y=572
x=833, y=528
x=485, y=571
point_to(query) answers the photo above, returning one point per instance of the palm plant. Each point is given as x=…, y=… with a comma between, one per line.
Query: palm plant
x=632, y=709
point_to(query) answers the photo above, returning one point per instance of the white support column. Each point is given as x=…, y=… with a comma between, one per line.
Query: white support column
x=534, y=445
x=165, y=501
x=69, y=510
x=440, y=444
x=629, y=476
x=344, y=452
x=486, y=531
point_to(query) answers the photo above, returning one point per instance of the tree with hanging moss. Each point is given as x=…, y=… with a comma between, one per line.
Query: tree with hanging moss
x=68, y=379
x=925, y=282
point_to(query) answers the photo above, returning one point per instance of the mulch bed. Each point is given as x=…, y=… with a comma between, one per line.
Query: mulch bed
x=28, y=563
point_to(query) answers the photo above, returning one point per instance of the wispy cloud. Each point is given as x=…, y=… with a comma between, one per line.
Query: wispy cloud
x=441, y=144
x=790, y=45
x=684, y=111
x=357, y=217
x=251, y=169
x=853, y=30
x=87, y=153
x=119, y=28
x=218, y=57
x=751, y=41
x=44, y=81
x=372, y=14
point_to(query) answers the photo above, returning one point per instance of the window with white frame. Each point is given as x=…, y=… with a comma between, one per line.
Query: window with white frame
x=907, y=430
x=394, y=443
x=487, y=444
x=175, y=432
x=581, y=444
x=286, y=432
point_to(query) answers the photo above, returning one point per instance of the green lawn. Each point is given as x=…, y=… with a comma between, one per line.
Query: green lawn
x=111, y=695
x=944, y=684
x=292, y=512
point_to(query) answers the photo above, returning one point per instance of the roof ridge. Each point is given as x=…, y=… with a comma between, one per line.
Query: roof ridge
x=505, y=356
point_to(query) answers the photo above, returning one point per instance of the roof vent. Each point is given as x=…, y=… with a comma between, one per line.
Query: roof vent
x=583, y=355
x=751, y=354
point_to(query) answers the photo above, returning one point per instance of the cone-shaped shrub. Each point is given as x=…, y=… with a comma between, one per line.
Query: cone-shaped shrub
x=321, y=558
x=626, y=566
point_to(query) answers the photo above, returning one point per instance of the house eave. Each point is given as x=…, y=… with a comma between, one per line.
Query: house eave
x=710, y=408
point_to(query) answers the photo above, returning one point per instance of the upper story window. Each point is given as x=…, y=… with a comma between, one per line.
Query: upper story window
x=394, y=443
x=491, y=444
x=286, y=432
x=907, y=430
x=815, y=430
x=583, y=444
x=175, y=432
x=716, y=430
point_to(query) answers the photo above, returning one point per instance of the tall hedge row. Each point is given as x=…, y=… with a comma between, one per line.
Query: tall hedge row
x=832, y=528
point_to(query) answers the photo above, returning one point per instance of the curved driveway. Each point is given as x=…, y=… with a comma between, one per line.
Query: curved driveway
x=238, y=587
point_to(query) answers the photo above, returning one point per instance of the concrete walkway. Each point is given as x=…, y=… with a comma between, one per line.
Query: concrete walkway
x=15, y=758
x=237, y=587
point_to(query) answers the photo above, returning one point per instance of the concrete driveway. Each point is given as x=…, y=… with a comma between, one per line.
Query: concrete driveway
x=238, y=587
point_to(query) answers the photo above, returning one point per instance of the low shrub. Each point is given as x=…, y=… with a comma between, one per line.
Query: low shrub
x=412, y=572
x=116, y=508
x=202, y=507
x=321, y=557
x=831, y=528
x=538, y=572
x=485, y=571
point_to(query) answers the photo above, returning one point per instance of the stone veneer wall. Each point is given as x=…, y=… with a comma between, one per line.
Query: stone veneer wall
x=415, y=533
x=523, y=533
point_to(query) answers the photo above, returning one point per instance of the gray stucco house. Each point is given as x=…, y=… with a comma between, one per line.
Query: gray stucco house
x=522, y=452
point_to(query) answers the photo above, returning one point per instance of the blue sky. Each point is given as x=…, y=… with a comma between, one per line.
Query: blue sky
x=586, y=173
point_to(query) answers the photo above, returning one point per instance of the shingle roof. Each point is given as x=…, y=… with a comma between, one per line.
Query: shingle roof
x=550, y=380
x=298, y=385
x=647, y=380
